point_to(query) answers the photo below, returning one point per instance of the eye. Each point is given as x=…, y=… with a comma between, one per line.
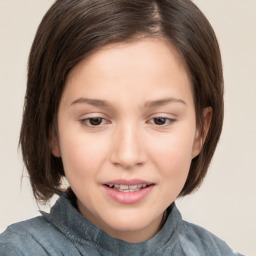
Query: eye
x=161, y=121
x=93, y=121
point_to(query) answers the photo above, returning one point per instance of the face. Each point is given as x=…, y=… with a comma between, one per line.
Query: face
x=127, y=135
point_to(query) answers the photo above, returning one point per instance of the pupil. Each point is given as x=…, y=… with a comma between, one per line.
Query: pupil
x=159, y=120
x=95, y=121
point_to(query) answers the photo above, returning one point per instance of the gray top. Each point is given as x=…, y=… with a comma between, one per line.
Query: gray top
x=64, y=231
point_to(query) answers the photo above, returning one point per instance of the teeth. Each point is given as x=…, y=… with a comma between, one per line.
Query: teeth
x=142, y=185
x=127, y=188
x=133, y=187
x=124, y=187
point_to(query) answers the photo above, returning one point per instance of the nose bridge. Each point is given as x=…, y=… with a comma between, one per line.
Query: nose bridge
x=127, y=149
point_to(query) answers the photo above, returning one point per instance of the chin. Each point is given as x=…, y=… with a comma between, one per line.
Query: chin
x=133, y=221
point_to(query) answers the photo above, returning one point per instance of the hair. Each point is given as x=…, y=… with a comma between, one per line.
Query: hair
x=73, y=29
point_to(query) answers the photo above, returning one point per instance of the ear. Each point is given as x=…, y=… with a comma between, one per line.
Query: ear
x=55, y=148
x=201, y=132
x=54, y=144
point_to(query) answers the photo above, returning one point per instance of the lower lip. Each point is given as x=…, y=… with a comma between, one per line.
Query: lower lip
x=128, y=197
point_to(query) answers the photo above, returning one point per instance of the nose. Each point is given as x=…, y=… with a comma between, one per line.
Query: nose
x=127, y=147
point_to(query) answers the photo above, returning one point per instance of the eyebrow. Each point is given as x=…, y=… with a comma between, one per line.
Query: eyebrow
x=148, y=104
x=94, y=102
x=162, y=102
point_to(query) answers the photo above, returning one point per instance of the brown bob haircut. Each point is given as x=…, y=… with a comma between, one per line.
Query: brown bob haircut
x=73, y=29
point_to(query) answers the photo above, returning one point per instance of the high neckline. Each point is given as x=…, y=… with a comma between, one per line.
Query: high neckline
x=78, y=229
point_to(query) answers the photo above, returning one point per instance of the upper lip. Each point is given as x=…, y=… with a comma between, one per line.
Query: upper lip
x=128, y=182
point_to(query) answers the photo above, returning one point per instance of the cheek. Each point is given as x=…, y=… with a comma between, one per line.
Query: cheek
x=172, y=153
x=172, y=159
x=81, y=155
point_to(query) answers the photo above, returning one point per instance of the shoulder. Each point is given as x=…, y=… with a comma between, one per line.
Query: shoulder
x=21, y=229
x=26, y=237
x=202, y=242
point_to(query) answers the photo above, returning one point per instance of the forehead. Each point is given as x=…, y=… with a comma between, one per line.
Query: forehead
x=141, y=67
x=134, y=51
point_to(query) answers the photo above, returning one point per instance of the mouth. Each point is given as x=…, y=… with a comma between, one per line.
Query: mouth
x=128, y=188
x=128, y=191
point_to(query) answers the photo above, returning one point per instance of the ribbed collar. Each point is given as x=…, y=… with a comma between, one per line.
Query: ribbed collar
x=65, y=217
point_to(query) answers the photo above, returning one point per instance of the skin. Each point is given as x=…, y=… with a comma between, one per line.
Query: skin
x=130, y=86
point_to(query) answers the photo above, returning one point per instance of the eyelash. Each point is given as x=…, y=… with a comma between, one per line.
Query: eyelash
x=165, y=119
x=86, y=121
x=102, y=121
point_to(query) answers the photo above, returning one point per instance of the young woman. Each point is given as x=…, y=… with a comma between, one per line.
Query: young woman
x=125, y=100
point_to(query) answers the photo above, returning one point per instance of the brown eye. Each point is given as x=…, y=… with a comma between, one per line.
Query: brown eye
x=160, y=120
x=93, y=121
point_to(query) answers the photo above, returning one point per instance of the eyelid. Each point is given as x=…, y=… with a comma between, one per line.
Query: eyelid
x=86, y=117
x=91, y=114
x=84, y=122
x=171, y=119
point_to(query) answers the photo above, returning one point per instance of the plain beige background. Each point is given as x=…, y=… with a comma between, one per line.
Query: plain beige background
x=226, y=203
